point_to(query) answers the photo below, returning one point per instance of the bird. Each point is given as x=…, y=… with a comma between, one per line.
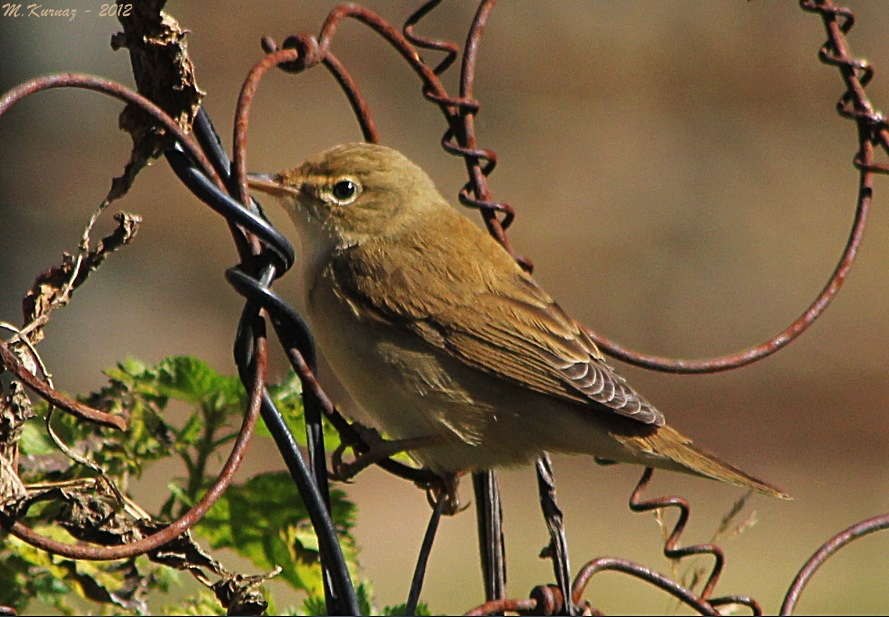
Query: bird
x=445, y=341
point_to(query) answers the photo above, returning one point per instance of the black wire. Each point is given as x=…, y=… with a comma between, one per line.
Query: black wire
x=234, y=212
x=277, y=257
x=300, y=337
x=211, y=144
x=340, y=593
x=413, y=597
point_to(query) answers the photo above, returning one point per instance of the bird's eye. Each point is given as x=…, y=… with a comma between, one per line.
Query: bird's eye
x=345, y=191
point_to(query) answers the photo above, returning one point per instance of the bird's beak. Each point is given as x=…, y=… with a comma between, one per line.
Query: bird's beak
x=271, y=184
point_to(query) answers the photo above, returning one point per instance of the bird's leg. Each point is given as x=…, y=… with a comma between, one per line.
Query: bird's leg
x=370, y=448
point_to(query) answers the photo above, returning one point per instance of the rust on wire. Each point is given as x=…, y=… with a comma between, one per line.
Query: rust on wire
x=449, y=48
x=856, y=74
x=671, y=546
x=701, y=602
x=245, y=99
x=521, y=606
x=859, y=530
x=110, y=88
x=10, y=362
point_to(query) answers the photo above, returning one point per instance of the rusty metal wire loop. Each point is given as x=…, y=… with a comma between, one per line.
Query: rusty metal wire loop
x=649, y=576
x=702, y=601
x=185, y=522
x=449, y=48
x=522, y=606
x=859, y=530
x=671, y=548
x=204, y=178
x=872, y=129
x=543, y=600
x=10, y=362
x=178, y=527
x=548, y=600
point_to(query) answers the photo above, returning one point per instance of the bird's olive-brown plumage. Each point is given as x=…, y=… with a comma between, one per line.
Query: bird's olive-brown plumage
x=437, y=332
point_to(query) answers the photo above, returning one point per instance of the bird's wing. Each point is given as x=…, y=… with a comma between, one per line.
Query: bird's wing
x=502, y=324
x=530, y=340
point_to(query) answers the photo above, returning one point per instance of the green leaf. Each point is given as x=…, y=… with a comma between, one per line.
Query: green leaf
x=363, y=592
x=35, y=441
x=401, y=609
x=265, y=520
x=287, y=395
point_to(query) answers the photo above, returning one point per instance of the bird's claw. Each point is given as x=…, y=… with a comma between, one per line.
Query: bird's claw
x=445, y=488
x=369, y=448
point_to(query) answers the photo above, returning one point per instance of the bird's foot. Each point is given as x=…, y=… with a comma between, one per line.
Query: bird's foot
x=444, y=487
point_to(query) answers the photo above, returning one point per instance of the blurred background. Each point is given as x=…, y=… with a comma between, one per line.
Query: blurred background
x=683, y=185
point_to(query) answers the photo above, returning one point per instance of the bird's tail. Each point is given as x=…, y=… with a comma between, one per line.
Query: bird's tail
x=669, y=449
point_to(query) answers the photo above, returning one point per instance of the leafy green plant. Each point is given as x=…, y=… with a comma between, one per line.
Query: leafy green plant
x=179, y=409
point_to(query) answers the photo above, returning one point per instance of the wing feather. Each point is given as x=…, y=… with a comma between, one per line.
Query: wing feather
x=497, y=319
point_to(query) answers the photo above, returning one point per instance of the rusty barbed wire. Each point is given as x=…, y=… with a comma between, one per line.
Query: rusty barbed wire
x=856, y=73
x=549, y=599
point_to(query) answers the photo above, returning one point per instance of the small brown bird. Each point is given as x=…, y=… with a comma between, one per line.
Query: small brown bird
x=436, y=331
